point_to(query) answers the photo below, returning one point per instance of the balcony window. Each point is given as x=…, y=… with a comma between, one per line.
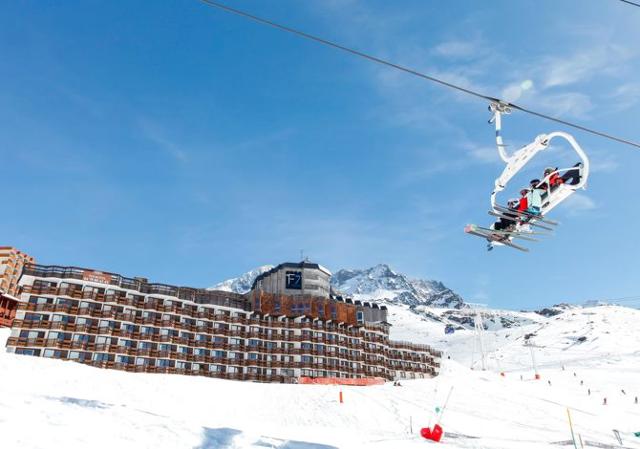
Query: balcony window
x=64, y=302
x=100, y=357
x=31, y=334
x=24, y=351
x=39, y=300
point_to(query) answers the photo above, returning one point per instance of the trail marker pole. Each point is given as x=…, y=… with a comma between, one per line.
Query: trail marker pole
x=573, y=437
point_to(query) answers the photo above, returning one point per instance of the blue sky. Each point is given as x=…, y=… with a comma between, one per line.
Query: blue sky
x=174, y=141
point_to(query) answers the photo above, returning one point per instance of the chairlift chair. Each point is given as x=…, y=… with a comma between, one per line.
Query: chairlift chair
x=515, y=163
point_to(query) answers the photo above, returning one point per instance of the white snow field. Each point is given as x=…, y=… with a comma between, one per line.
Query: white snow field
x=54, y=404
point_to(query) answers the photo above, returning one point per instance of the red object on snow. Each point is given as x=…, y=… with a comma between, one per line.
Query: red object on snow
x=435, y=434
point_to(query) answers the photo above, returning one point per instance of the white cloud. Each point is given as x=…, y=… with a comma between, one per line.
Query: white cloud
x=457, y=49
x=579, y=203
x=625, y=97
x=567, y=104
x=487, y=155
x=584, y=65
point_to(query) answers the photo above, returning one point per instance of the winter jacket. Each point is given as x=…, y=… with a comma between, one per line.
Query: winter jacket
x=555, y=180
x=534, y=198
x=523, y=204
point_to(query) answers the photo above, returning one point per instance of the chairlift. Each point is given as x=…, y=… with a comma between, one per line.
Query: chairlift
x=573, y=179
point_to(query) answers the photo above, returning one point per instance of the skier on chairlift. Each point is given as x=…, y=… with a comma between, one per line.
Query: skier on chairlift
x=507, y=222
x=534, y=197
x=572, y=176
x=554, y=179
x=522, y=202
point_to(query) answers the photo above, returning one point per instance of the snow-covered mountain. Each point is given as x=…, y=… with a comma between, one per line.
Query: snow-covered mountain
x=382, y=284
x=379, y=283
x=243, y=283
x=425, y=306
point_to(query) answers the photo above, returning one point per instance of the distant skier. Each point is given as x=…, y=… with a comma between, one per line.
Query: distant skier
x=581, y=382
x=589, y=391
x=574, y=374
x=623, y=392
x=604, y=402
x=636, y=401
x=549, y=382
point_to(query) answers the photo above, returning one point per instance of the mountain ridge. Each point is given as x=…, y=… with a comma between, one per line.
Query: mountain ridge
x=379, y=283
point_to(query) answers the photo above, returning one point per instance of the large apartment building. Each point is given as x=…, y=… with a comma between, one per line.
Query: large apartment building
x=11, y=263
x=288, y=326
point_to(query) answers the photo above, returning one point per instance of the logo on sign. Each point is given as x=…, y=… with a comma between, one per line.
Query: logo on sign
x=293, y=280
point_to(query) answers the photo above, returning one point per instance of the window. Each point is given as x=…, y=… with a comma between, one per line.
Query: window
x=100, y=357
x=23, y=351
x=124, y=359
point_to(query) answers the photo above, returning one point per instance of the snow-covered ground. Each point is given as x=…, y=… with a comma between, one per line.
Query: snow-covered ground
x=54, y=404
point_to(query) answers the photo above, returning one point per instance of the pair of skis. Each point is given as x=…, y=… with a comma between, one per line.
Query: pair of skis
x=504, y=237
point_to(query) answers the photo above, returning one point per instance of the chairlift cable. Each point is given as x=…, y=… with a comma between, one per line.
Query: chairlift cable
x=411, y=71
x=631, y=3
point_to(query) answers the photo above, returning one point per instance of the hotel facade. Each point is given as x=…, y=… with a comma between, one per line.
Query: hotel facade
x=289, y=326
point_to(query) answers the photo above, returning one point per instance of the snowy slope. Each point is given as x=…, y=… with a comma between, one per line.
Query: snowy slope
x=54, y=404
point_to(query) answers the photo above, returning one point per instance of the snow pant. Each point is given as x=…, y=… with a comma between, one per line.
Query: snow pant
x=572, y=176
x=533, y=210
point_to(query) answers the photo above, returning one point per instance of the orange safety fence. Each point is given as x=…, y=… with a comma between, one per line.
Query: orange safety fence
x=361, y=382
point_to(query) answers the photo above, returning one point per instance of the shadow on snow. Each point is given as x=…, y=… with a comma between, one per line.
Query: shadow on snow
x=223, y=438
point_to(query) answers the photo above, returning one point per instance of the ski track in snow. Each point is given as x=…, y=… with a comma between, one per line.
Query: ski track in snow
x=54, y=404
